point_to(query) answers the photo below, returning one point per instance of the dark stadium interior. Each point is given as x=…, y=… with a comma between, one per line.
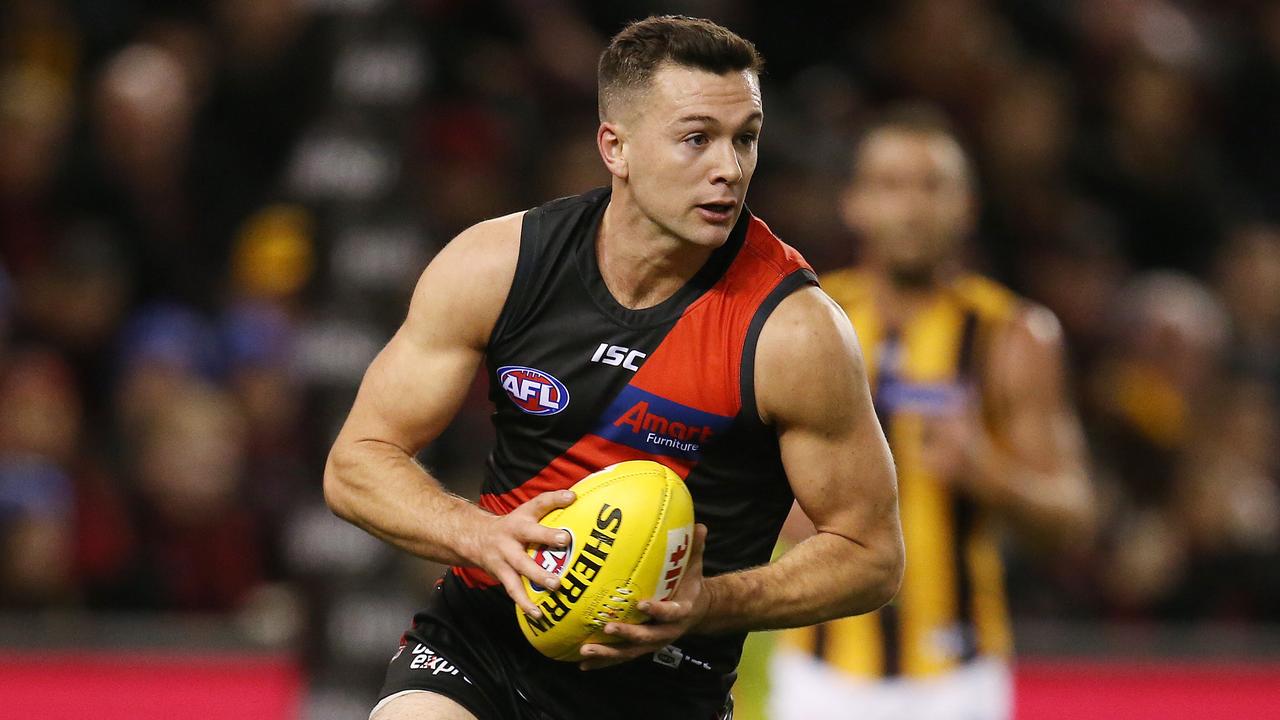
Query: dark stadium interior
x=212, y=215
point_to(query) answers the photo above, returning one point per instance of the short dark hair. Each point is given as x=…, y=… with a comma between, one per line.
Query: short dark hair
x=914, y=117
x=636, y=52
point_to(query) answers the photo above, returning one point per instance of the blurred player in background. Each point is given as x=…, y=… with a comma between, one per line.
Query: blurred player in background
x=614, y=324
x=968, y=381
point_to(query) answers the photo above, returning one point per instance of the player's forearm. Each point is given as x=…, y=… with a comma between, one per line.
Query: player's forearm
x=1056, y=503
x=379, y=488
x=824, y=577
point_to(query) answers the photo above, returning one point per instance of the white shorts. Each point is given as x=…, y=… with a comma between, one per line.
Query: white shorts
x=804, y=688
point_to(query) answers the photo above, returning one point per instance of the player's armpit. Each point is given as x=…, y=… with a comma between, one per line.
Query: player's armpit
x=811, y=386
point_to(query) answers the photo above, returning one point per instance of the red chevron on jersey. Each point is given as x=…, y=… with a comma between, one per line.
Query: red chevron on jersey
x=699, y=363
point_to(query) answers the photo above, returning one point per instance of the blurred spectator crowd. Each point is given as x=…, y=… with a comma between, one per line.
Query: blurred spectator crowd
x=212, y=214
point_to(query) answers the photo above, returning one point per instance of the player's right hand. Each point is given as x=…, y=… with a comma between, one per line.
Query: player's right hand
x=499, y=546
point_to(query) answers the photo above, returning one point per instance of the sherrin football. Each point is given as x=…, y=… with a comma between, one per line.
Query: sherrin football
x=631, y=530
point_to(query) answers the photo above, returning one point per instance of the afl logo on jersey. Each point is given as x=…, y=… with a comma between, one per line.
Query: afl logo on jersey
x=533, y=391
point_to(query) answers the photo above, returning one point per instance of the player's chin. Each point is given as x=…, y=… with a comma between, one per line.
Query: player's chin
x=913, y=271
x=708, y=234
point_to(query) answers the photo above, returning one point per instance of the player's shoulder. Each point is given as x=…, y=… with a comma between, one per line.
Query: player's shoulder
x=1029, y=326
x=501, y=236
x=466, y=283
x=806, y=321
x=484, y=254
x=846, y=285
x=989, y=297
x=807, y=355
x=494, y=237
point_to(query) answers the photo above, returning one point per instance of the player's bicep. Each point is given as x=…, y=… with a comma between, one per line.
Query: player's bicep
x=416, y=384
x=812, y=386
x=1040, y=424
x=410, y=392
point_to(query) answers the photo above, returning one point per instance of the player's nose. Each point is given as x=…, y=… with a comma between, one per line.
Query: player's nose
x=728, y=166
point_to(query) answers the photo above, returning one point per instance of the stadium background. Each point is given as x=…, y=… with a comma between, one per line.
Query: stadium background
x=212, y=214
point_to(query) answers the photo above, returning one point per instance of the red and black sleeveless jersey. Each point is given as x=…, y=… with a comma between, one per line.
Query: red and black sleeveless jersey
x=580, y=382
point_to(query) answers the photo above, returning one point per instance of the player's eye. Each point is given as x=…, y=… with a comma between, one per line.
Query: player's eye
x=697, y=140
x=748, y=139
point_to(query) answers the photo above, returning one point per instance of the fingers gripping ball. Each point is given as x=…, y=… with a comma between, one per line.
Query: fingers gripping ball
x=631, y=530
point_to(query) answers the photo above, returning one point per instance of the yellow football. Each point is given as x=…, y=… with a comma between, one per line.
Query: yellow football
x=631, y=530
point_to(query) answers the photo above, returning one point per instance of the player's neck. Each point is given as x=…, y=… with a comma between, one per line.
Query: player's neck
x=902, y=296
x=641, y=264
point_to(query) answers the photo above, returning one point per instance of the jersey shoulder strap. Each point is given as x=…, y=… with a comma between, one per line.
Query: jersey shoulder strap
x=549, y=235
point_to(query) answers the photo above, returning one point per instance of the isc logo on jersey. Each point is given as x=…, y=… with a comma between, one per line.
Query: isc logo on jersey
x=618, y=356
x=533, y=391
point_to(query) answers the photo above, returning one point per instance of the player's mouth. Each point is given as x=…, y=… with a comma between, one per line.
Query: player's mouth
x=717, y=212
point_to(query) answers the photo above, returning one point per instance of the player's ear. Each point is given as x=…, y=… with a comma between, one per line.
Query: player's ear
x=610, y=140
x=851, y=207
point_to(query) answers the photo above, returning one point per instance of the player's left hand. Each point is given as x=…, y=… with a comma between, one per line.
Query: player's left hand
x=670, y=619
x=948, y=443
x=958, y=450
x=952, y=437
